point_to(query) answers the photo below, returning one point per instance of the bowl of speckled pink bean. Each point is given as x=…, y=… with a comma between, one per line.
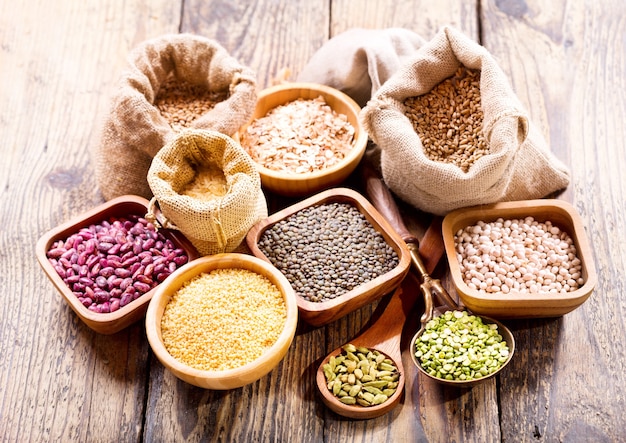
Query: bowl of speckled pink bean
x=520, y=259
x=107, y=262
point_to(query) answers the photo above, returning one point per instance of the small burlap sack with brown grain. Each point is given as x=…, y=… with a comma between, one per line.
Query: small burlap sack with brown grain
x=518, y=165
x=134, y=130
x=213, y=225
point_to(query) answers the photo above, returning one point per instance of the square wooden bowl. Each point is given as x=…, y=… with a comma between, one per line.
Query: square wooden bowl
x=104, y=323
x=517, y=304
x=320, y=313
x=294, y=184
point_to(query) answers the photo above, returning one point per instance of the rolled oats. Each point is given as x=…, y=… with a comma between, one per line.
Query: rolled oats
x=301, y=136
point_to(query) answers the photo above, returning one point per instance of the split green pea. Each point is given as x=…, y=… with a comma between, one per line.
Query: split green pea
x=459, y=346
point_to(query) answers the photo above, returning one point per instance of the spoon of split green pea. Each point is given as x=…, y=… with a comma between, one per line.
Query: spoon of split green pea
x=481, y=346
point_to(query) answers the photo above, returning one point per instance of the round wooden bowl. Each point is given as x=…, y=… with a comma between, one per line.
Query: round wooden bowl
x=231, y=378
x=104, y=323
x=293, y=184
x=516, y=304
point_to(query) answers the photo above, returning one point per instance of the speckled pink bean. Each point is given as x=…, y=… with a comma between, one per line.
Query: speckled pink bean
x=126, y=283
x=115, y=305
x=56, y=252
x=141, y=287
x=60, y=270
x=133, y=264
x=115, y=249
x=149, y=269
x=137, y=269
x=125, y=299
x=144, y=279
x=122, y=272
x=107, y=265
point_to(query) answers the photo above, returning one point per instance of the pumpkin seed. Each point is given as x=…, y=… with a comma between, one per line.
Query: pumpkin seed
x=360, y=376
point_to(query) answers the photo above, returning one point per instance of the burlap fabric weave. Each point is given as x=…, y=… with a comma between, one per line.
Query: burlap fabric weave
x=519, y=166
x=216, y=225
x=134, y=130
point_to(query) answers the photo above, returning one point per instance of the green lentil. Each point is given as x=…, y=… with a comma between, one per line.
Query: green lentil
x=327, y=250
x=459, y=346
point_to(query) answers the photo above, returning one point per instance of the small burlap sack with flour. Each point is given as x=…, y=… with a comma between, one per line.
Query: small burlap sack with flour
x=134, y=130
x=518, y=165
x=216, y=224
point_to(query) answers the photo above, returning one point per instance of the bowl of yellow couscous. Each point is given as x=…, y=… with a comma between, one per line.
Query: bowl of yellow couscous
x=222, y=321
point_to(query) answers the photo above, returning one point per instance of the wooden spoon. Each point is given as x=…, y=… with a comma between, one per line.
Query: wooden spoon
x=383, y=335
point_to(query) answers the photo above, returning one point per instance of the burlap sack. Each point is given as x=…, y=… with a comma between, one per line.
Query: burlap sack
x=358, y=61
x=519, y=166
x=217, y=225
x=134, y=130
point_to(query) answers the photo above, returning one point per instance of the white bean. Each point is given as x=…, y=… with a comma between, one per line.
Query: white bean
x=518, y=255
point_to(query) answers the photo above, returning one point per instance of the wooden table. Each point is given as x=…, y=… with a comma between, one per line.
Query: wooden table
x=59, y=381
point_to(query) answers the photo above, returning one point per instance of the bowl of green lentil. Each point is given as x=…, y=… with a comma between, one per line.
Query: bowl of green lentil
x=336, y=250
x=222, y=321
x=520, y=259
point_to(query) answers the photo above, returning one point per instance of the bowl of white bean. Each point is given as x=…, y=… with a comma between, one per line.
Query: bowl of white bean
x=520, y=259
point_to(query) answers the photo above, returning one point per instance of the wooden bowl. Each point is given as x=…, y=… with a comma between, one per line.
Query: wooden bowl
x=231, y=378
x=104, y=323
x=293, y=184
x=516, y=304
x=321, y=313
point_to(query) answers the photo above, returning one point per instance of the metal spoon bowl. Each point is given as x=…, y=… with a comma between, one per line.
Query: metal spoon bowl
x=429, y=314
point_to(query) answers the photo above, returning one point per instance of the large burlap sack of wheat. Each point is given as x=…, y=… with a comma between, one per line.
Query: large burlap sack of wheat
x=452, y=132
x=135, y=128
x=208, y=187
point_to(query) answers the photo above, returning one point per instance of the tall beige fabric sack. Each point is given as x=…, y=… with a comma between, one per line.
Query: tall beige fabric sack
x=134, y=130
x=358, y=61
x=519, y=166
x=218, y=224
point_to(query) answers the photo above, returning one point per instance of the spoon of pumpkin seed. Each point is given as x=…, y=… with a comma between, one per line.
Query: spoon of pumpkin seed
x=365, y=378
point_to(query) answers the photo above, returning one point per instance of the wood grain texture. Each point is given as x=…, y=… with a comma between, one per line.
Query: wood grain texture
x=566, y=64
x=59, y=381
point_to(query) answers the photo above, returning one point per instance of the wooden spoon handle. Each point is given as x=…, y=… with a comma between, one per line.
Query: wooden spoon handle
x=391, y=321
x=431, y=247
x=383, y=201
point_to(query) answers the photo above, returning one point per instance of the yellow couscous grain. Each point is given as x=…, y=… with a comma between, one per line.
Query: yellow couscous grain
x=223, y=319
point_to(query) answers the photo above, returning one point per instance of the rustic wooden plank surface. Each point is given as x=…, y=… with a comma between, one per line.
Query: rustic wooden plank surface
x=566, y=63
x=60, y=381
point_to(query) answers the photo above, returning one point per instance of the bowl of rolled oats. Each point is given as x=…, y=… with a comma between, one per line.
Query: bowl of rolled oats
x=304, y=137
